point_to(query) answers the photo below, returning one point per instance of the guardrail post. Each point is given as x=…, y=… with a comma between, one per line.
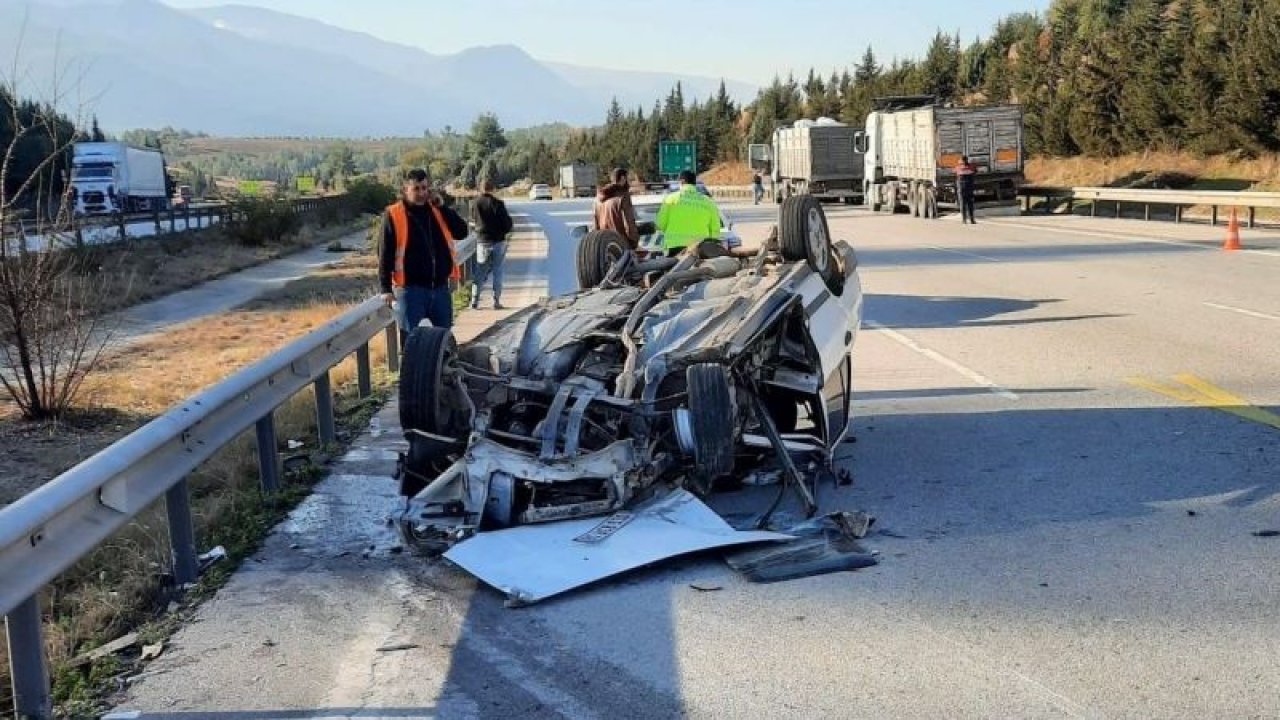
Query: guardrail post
x=31, y=697
x=268, y=462
x=324, y=409
x=1093, y=208
x=1117, y=209
x=1252, y=216
x=1214, y=220
x=1177, y=213
x=182, y=536
x=393, y=347
x=155, y=215
x=364, y=378
x=1071, y=206
x=1146, y=212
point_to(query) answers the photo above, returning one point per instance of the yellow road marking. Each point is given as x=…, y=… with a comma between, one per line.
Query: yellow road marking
x=1196, y=391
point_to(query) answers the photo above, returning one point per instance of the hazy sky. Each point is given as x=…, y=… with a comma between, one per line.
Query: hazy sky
x=749, y=40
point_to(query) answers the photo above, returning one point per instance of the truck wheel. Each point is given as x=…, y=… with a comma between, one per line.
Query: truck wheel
x=711, y=424
x=424, y=399
x=931, y=203
x=597, y=251
x=913, y=201
x=891, y=197
x=803, y=235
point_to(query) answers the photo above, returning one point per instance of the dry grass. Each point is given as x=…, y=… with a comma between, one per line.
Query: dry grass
x=1223, y=172
x=121, y=585
x=136, y=272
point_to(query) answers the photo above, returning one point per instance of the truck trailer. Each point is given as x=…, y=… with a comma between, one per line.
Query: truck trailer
x=112, y=177
x=820, y=158
x=912, y=147
x=577, y=180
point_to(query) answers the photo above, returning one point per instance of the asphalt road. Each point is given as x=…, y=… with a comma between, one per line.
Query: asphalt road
x=1066, y=430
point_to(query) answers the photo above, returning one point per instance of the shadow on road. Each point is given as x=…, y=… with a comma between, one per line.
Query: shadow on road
x=922, y=311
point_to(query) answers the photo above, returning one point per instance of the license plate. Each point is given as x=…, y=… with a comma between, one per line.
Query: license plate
x=606, y=529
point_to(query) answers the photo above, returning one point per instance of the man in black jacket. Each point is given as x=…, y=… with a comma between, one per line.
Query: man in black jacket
x=416, y=263
x=493, y=223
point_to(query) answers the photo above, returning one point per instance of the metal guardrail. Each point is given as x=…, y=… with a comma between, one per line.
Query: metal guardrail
x=1179, y=200
x=47, y=531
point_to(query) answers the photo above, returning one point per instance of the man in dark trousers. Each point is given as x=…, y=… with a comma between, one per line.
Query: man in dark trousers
x=493, y=223
x=965, y=175
x=416, y=265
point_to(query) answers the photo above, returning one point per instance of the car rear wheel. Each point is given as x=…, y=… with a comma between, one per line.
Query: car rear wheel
x=598, y=250
x=803, y=235
x=711, y=424
x=424, y=397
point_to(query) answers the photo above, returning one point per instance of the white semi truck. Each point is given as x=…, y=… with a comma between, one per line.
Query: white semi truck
x=912, y=146
x=112, y=177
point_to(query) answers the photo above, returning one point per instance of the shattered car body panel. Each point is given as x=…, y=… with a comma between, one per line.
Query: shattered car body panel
x=673, y=373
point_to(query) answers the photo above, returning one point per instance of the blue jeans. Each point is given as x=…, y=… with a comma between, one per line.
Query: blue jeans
x=490, y=258
x=414, y=304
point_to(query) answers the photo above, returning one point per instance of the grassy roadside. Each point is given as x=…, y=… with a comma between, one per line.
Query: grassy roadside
x=136, y=271
x=123, y=585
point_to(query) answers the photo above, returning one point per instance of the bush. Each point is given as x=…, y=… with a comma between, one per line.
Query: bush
x=261, y=221
x=367, y=195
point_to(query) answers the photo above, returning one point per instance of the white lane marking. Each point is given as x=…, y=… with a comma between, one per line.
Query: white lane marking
x=963, y=252
x=1121, y=236
x=945, y=361
x=1242, y=311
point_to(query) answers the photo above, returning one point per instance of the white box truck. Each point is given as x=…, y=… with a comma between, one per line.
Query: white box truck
x=112, y=177
x=911, y=153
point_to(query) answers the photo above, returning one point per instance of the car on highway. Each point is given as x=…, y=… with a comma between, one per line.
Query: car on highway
x=659, y=373
x=540, y=191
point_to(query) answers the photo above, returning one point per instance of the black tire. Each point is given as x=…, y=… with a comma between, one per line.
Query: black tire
x=597, y=251
x=423, y=401
x=711, y=423
x=803, y=235
x=913, y=202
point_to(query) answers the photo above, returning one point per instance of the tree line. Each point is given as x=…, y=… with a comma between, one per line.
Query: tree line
x=1094, y=77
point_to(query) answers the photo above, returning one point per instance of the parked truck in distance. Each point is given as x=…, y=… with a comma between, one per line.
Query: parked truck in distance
x=912, y=146
x=820, y=158
x=112, y=177
x=577, y=180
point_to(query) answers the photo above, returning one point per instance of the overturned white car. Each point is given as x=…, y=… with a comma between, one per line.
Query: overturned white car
x=660, y=374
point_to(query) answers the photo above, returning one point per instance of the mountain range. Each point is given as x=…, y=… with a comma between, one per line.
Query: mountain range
x=237, y=70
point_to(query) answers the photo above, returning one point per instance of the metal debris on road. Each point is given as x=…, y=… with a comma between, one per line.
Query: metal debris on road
x=398, y=648
x=822, y=545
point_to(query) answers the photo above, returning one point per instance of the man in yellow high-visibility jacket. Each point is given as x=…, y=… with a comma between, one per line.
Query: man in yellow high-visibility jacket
x=687, y=217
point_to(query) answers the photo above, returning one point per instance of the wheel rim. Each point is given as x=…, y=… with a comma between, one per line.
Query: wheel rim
x=817, y=240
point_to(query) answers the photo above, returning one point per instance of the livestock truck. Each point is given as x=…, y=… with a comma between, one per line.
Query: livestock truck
x=822, y=158
x=912, y=146
x=112, y=177
x=577, y=180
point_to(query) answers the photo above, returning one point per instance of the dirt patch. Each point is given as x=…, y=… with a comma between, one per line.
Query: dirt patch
x=727, y=174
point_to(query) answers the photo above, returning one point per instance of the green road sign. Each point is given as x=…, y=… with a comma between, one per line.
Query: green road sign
x=252, y=188
x=675, y=156
x=306, y=184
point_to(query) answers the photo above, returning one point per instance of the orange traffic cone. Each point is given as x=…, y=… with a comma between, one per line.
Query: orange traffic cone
x=1233, y=233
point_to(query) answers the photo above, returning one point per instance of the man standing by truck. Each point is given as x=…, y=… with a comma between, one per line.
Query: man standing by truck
x=687, y=217
x=966, y=173
x=614, y=211
x=493, y=223
x=416, y=261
